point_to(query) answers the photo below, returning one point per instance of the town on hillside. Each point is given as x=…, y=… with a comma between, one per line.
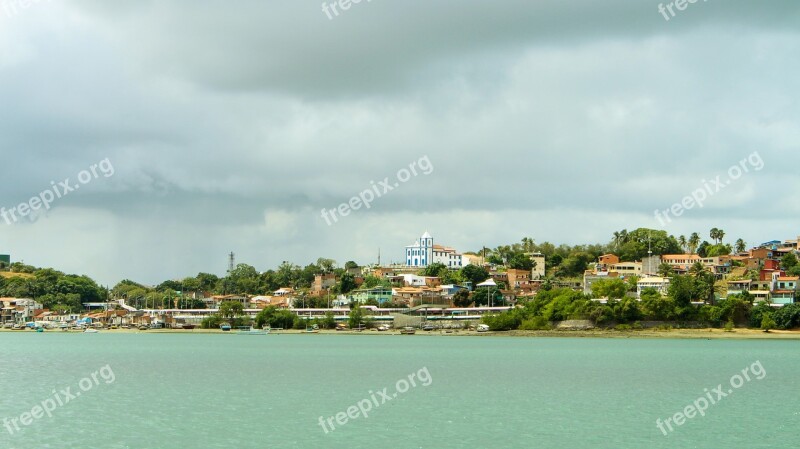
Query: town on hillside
x=629, y=280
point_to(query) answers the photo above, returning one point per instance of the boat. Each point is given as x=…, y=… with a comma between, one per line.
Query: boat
x=90, y=331
x=225, y=327
x=312, y=330
x=408, y=330
x=39, y=329
x=189, y=326
x=244, y=330
x=483, y=328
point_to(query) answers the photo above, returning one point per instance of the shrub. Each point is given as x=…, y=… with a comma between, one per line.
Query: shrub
x=538, y=323
x=623, y=327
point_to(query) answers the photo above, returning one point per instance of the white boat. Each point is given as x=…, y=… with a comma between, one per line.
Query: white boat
x=90, y=331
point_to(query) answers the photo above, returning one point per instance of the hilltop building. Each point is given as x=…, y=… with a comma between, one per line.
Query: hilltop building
x=423, y=252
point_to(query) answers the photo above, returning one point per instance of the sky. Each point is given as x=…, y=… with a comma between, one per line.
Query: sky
x=197, y=128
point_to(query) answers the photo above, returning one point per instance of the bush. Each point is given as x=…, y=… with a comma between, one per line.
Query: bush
x=787, y=317
x=538, y=323
x=622, y=327
x=505, y=321
x=211, y=322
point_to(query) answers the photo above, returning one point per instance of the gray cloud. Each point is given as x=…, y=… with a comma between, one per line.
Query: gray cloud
x=232, y=126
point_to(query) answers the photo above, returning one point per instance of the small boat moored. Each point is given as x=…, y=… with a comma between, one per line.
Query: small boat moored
x=408, y=330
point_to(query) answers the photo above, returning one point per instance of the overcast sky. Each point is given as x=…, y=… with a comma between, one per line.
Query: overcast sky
x=231, y=125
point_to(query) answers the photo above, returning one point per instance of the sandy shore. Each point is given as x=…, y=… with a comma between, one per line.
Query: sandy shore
x=596, y=333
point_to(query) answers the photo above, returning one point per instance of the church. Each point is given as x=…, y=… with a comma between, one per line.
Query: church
x=423, y=253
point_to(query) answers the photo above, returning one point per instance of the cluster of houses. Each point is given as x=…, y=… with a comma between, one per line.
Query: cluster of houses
x=756, y=271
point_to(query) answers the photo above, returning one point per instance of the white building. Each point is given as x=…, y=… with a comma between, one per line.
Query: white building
x=423, y=253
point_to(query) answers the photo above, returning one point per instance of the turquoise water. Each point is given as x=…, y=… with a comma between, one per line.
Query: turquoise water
x=232, y=391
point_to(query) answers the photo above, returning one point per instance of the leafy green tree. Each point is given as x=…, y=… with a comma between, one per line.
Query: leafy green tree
x=788, y=261
x=231, y=309
x=613, y=288
x=482, y=295
x=355, y=318
x=474, y=274
x=461, y=298
x=346, y=284
x=329, y=321
x=520, y=261
x=434, y=269
x=680, y=290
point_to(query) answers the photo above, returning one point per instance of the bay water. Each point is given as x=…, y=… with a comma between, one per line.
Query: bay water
x=140, y=390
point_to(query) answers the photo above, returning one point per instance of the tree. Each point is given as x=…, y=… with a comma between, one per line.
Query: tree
x=265, y=315
x=613, y=288
x=665, y=270
x=482, y=295
x=231, y=309
x=355, y=318
x=474, y=274
x=326, y=265
x=461, y=298
x=682, y=242
x=521, y=261
x=350, y=265
x=740, y=246
x=789, y=261
x=346, y=284
x=680, y=290
x=693, y=242
x=434, y=269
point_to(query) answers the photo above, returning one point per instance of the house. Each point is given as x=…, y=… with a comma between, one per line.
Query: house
x=323, y=282
x=739, y=287
x=784, y=289
x=518, y=278
x=378, y=294
x=605, y=260
x=661, y=284
x=626, y=269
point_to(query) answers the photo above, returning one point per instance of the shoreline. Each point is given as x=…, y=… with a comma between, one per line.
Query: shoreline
x=709, y=333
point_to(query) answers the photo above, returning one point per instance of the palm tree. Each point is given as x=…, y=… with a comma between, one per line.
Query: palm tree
x=527, y=244
x=697, y=269
x=665, y=270
x=682, y=242
x=720, y=235
x=740, y=246
x=714, y=234
x=694, y=242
